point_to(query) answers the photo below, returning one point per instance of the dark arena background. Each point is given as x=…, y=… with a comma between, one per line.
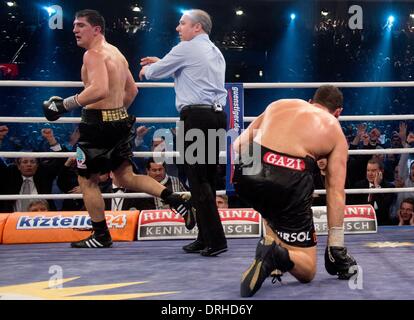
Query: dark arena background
x=273, y=50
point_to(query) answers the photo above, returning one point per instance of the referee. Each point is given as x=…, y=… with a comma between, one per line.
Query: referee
x=198, y=68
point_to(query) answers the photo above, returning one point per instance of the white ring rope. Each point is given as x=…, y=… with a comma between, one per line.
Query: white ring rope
x=359, y=118
x=145, y=195
x=380, y=151
x=57, y=154
x=78, y=120
x=373, y=190
x=304, y=85
x=258, y=85
x=73, y=84
x=175, y=119
x=80, y=196
x=288, y=85
x=172, y=154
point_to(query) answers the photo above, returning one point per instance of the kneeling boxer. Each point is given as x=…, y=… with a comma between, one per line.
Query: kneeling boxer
x=106, y=129
x=290, y=136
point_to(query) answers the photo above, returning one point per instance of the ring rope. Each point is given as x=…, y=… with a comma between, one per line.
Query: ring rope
x=304, y=85
x=73, y=84
x=380, y=151
x=145, y=195
x=257, y=85
x=360, y=118
x=175, y=119
x=78, y=120
x=172, y=154
x=57, y=154
x=290, y=85
x=80, y=196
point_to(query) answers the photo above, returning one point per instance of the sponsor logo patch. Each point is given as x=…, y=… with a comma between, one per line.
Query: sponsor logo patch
x=68, y=222
x=165, y=224
x=284, y=161
x=295, y=236
x=53, y=107
x=80, y=159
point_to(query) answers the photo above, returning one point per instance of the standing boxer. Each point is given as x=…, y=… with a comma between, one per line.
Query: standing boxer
x=106, y=129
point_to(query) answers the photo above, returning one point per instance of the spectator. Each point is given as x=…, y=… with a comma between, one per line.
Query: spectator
x=121, y=203
x=74, y=137
x=158, y=172
x=398, y=183
x=396, y=141
x=48, y=135
x=3, y=132
x=141, y=132
x=406, y=173
x=222, y=201
x=27, y=176
x=67, y=180
x=375, y=138
x=380, y=201
x=38, y=206
x=158, y=144
x=357, y=164
x=406, y=212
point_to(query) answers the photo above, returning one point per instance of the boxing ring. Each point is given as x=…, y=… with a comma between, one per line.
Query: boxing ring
x=160, y=270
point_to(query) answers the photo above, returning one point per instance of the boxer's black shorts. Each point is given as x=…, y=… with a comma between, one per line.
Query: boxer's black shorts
x=282, y=193
x=106, y=140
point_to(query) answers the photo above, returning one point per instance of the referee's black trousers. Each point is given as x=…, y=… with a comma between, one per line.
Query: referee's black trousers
x=202, y=175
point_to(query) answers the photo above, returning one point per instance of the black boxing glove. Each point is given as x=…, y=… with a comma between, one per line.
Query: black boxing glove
x=338, y=262
x=56, y=106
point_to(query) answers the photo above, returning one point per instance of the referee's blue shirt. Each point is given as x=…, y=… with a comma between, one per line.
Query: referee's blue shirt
x=198, y=68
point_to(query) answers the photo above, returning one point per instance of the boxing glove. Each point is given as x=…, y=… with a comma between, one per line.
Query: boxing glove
x=338, y=262
x=56, y=106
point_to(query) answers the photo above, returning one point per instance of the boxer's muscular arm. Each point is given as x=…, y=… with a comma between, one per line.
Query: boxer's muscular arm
x=337, y=259
x=247, y=135
x=97, y=90
x=335, y=180
x=98, y=80
x=131, y=89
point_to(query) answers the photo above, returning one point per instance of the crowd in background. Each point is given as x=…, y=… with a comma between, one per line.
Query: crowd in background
x=335, y=53
x=58, y=175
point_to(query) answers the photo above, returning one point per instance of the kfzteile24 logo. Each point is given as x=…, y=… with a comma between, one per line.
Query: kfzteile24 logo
x=67, y=222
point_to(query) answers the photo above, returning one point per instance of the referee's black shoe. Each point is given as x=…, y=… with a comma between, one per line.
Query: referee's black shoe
x=213, y=251
x=194, y=247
